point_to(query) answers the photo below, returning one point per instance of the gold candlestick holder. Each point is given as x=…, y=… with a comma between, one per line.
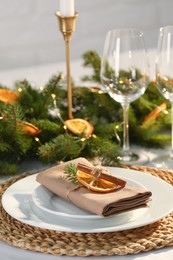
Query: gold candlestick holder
x=67, y=25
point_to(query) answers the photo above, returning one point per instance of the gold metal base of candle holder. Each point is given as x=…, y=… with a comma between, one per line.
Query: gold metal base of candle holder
x=67, y=25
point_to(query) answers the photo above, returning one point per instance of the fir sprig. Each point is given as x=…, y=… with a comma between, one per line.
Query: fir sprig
x=71, y=170
x=7, y=168
x=54, y=143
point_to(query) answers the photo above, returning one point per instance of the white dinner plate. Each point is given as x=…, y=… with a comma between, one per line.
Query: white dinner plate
x=18, y=202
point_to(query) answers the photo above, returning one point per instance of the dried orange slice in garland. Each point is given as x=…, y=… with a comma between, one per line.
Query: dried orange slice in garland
x=28, y=128
x=94, y=179
x=79, y=126
x=155, y=113
x=8, y=96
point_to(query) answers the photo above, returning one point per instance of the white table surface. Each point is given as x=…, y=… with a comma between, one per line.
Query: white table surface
x=39, y=76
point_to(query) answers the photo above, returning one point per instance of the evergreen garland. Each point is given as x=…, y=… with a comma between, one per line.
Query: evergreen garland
x=46, y=108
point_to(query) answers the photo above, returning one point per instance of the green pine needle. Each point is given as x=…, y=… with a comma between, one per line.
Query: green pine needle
x=71, y=170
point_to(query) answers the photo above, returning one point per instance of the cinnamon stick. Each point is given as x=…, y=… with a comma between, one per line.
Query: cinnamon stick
x=102, y=175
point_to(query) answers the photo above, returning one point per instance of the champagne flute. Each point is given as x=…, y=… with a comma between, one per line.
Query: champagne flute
x=164, y=80
x=125, y=76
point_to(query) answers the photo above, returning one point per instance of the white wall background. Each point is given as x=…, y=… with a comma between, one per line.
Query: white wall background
x=29, y=33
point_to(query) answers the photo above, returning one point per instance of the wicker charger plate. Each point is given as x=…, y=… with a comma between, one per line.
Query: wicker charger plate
x=153, y=236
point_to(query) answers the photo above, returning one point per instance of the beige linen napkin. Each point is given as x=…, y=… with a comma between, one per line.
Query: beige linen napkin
x=104, y=204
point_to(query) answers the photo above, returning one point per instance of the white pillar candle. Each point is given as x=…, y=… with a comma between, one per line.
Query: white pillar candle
x=67, y=7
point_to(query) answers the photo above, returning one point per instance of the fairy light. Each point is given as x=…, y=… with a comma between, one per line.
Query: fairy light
x=165, y=78
x=96, y=90
x=165, y=112
x=116, y=133
x=37, y=140
x=41, y=88
x=20, y=90
x=53, y=95
x=55, y=112
x=121, y=81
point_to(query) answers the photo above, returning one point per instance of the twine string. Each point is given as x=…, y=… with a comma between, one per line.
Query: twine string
x=96, y=172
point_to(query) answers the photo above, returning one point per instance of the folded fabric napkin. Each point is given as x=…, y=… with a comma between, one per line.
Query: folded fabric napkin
x=105, y=204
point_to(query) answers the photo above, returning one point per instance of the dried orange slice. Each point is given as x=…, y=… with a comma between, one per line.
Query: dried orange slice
x=79, y=126
x=28, y=128
x=8, y=96
x=95, y=184
x=155, y=113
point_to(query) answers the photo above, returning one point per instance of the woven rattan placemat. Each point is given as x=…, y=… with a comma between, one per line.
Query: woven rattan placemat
x=153, y=236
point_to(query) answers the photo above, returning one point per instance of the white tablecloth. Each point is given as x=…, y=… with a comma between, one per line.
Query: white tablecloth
x=39, y=76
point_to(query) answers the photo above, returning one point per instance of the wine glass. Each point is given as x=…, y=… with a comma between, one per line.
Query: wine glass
x=125, y=76
x=164, y=80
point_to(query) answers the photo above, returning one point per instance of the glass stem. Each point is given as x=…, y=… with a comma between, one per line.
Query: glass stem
x=171, y=155
x=126, y=146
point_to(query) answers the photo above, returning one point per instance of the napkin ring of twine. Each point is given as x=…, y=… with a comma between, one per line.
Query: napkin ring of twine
x=96, y=172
